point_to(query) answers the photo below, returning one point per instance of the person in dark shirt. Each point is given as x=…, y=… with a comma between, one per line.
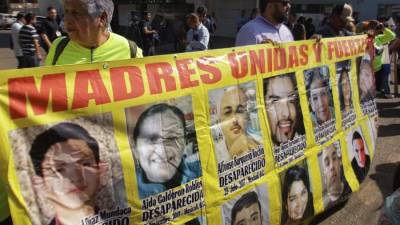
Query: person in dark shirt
x=49, y=29
x=29, y=42
x=148, y=35
x=310, y=28
x=341, y=14
x=291, y=20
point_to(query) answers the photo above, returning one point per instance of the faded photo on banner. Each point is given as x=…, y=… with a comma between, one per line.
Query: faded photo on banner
x=366, y=85
x=70, y=172
x=250, y=208
x=320, y=100
x=285, y=118
x=297, y=197
x=335, y=186
x=162, y=137
x=236, y=135
x=345, y=87
x=358, y=153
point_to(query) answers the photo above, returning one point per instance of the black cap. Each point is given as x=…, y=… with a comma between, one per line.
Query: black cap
x=20, y=15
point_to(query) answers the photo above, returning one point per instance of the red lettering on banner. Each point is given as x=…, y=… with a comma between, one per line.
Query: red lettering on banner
x=279, y=59
x=214, y=74
x=346, y=48
x=363, y=45
x=257, y=61
x=157, y=72
x=317, y=51
x=356, y=46
x=303, y=55
x=185, y=72
x=120, y=89
x=339, y=50
x=21, y=89
x=81, y=93
x=293, y=57
x=352, y=47
x=331, y=49
x=234, y=63
x=269, y=58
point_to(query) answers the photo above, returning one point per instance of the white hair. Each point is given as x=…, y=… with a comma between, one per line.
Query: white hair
x=96, y=7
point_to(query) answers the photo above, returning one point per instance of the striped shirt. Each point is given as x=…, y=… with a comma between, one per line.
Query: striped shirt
x=27, y=35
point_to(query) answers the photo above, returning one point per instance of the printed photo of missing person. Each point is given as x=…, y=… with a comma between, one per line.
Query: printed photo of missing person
x=163, y=142
x=297, y=198
x=343, y=74
x=335, y=186
x=358, y=154
x=319, y=94
x=70, y=170
x=234, y=120
x=282, y=104
x=366, y=79
x=250, y=208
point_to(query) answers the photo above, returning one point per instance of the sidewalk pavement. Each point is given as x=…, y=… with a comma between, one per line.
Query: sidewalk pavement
x=363, y=207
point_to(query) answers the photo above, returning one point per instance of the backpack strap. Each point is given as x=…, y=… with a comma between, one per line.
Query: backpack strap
x=133, y=48
x=59, y=49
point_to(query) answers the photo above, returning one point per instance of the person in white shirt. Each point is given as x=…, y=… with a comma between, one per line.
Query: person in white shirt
x=14, y=37
x=198, y=35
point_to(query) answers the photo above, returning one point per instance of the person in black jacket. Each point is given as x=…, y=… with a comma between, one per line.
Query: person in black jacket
x=49, y=29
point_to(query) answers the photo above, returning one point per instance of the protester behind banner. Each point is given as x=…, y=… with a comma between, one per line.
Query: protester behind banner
x=88, y=38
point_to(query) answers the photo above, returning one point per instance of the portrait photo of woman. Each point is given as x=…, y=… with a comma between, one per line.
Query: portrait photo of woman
x=297, y=201
x=345, y=92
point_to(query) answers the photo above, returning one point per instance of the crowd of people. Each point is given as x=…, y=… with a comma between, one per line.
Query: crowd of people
x=84, y=36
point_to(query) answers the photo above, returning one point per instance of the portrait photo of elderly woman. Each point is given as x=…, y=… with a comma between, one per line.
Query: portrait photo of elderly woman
x=165, y=157
x=297, y=201
x=71, y=170
x=234, y=120
x=319, y=95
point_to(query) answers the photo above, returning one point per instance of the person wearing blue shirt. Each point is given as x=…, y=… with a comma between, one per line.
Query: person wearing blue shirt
x=268, y=26
x=198, y=36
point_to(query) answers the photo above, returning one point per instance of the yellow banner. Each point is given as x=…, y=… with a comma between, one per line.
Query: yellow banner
x=272, y=134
